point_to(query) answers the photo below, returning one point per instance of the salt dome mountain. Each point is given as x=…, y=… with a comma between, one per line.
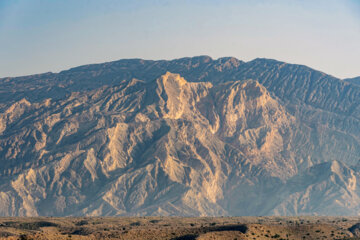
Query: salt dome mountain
x=187, y=137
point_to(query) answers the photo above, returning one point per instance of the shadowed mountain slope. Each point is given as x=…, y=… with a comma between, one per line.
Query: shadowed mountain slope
x=355, y=80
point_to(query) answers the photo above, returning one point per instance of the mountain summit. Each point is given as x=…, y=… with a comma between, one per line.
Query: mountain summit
x=186, y=137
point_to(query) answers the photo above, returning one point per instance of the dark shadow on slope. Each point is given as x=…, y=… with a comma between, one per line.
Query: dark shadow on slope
x=30, y=225
x=80, y=232
x=198, y=231
x=355, y=229
x=187, y=237
x=241, y=228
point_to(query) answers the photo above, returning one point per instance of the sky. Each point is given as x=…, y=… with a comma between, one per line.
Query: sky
x=39, y=36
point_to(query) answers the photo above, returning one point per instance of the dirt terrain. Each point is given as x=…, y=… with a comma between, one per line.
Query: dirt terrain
x=177, y=228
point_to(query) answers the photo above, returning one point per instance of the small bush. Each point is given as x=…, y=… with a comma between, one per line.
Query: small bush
x=154, y=221
x=81, y=223
x=135, y=224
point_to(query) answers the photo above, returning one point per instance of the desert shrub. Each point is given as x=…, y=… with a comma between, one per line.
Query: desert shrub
x=23, y=237
x=135, y=224
x=81, y=223
x=187, y=237
x=154, y=221
x=79, y=231
x=275, y=236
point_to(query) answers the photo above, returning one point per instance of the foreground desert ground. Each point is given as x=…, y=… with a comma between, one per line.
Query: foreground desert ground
x=177, y=228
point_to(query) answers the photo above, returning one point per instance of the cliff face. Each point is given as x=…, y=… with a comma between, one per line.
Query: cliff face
x=189, y=137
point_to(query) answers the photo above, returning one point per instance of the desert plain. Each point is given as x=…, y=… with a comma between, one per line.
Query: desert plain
x=177, y=228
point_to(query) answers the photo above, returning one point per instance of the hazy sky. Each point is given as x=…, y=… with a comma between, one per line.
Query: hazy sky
x=52, y=35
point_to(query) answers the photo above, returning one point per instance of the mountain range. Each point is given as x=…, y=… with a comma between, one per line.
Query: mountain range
x=186, y=137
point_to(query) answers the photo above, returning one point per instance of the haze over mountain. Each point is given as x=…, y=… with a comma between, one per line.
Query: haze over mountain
x=189, y=137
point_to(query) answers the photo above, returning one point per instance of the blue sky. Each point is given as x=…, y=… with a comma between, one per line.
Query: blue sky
x=52, y=35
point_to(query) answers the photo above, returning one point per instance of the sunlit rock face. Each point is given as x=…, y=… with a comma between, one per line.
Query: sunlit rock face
x=188, y=137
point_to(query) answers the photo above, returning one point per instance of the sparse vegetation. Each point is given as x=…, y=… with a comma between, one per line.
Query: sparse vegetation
x=176, y=228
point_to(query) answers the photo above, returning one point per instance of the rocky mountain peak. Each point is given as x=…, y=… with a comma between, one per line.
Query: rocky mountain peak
x=172, y=78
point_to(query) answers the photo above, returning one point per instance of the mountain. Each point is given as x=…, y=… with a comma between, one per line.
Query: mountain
x=188, y=137
x=355, y=80
x=314, y=191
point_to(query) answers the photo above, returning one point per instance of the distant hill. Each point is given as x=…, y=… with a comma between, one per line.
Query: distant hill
x=187, y=137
